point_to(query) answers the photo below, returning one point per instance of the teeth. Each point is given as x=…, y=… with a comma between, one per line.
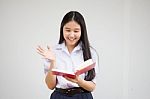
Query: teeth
x=71, y=39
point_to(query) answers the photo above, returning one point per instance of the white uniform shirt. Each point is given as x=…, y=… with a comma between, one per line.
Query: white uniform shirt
x=69, y=62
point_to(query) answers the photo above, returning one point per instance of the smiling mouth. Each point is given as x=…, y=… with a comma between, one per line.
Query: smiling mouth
x=72, y=39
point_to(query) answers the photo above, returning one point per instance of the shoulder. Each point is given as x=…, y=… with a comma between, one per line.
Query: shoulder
x=93, y=51
x=94, y=54
x=95, y=57
x=57, y=47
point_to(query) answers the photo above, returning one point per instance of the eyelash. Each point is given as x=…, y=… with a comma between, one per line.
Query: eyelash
x=74, y=31
x=68, y=30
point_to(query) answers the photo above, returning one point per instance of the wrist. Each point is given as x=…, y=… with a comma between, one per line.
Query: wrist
x=80, y=81
x=53, y=61
x=52, y=64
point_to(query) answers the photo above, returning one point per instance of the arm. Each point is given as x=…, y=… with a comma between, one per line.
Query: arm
x=87, y=85
x=50, y=78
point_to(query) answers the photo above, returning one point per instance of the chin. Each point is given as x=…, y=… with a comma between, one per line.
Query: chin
x=72, y=43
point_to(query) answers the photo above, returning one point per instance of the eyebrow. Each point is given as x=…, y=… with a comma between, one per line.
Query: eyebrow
x=75, y=28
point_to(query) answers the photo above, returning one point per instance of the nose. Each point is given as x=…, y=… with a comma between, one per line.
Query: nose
x=72, y=34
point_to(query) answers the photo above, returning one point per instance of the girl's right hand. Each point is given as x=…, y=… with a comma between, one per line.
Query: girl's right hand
x=46, y=53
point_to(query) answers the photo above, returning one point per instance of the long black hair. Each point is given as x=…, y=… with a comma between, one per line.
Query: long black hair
x=77, y=17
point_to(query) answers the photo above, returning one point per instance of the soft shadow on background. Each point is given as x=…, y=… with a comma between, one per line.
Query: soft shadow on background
x=118, y=29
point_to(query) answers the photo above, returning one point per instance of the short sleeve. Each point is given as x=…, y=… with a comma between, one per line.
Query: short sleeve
x=46, y=65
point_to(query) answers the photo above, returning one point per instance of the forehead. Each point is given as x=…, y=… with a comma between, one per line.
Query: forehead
x=72, y=24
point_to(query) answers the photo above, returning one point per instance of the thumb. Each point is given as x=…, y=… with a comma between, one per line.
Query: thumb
x=48, y=47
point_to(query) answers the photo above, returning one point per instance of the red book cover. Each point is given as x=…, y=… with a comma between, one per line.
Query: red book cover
x=84, y=67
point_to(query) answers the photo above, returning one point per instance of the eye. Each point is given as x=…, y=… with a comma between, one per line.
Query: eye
x=76, y=31
x=67, y=30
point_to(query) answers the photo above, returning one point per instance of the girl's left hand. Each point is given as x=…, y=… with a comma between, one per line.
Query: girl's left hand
x=75, y=80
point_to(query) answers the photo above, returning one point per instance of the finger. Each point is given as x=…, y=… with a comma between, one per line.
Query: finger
x=48, y=47
x=68, y=78
x=41, y=53
x=39, y=50
x=42, y=49
x=45, y=58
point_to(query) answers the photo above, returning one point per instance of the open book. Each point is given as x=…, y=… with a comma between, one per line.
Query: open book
x=84, y=67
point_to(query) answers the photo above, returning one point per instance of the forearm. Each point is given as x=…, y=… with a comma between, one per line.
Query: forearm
x=50, y=78
x=88, y=85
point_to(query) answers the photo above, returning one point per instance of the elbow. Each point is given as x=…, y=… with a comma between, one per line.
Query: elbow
x=50, y=86
x=92, y=88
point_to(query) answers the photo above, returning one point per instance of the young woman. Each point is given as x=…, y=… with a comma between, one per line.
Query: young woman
x=72, y=50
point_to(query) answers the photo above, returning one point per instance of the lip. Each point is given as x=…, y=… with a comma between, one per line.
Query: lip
x=72, y=39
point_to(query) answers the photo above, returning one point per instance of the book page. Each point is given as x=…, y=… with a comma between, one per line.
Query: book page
x=62, y=71
x=85, y=64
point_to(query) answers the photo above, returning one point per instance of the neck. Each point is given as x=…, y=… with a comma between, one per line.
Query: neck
x=70, y=48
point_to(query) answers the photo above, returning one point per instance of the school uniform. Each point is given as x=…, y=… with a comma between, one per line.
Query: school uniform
x=69, y=62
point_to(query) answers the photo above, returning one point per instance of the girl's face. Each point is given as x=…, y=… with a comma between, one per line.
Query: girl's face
x=71, y=33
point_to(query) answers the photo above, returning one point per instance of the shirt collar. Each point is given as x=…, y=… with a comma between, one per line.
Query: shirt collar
x=64, y=48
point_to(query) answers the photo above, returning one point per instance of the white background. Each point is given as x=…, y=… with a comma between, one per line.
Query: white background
x=118, y=29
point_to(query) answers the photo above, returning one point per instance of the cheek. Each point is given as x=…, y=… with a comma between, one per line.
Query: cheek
x=79, y=35
x=65, y=35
